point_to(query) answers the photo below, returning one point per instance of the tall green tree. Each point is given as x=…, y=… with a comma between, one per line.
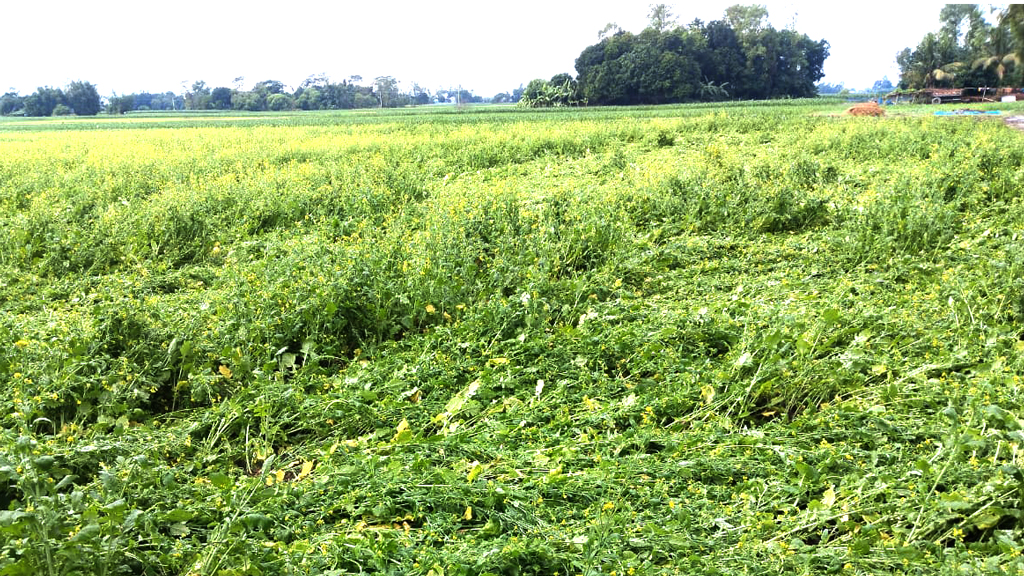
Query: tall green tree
x=610, y=29
x=268, y=87
x=998, y=55
x=932, y=63
x=661, y=18
x=385, y=88
x=44, y=101
x=966, y=50
x=963, y=26
x=120, y=104
x=83, y=98
x=198, y=97
x=667, y=63
x=723, y=59
x=279, y=102
x=1013, y=19
x=10, y=103
x=535, y=88
x=747, y=19
x=220, y=98
x=309, y=99
x=247, y=101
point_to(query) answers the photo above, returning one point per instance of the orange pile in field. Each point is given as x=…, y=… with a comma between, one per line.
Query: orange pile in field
x=866, y=109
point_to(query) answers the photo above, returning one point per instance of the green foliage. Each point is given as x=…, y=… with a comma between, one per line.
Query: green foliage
x=279, y=102
x=665, y=62
x=386, y=89
x=1013, y=19
x=967, y=51
x=318, y=93
x=83, y=98
x=145, y=101
x=198, y=97
x=220, y=98
x=120, y=104
x=248, y=101
x=562, y=90
x=712, y=337
x=11, y=103
x=44, y=101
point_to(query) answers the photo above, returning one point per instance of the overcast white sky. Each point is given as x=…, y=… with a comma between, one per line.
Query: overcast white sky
x=488, y=47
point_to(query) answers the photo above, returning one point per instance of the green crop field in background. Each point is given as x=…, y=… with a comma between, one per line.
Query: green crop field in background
x=745, y=338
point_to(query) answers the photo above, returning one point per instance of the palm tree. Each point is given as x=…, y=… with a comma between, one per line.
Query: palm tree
x=929, y=66
x=710, y=92
x=944, y=73
x=1013, y=17
x=1001, y=55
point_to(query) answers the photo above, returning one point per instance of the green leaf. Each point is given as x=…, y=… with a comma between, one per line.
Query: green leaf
x=88, y=532
x=808, y=472
x=456, y=404
x=221, y=480
x=115, y=507
x=954, y=501
x=923, y=466
x=8, y=473
x=987, y=519
x=44, y=463
x=861, y=546
x=65, y=482
x=10, y=517
x=830, y=316
x=178, y=515
x=257, y=521
x=307, y=346
x=803, y=345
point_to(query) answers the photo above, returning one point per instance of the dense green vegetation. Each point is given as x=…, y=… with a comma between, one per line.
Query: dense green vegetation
x=693, y=339
x=968, y=50
x=79, y=98
x=740, y=56
x=316, y=92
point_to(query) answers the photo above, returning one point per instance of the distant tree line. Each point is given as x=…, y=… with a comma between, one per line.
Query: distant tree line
x=316, y=92
x=78, y=97
x=828, y=88
x=882, y=86
x=740, y=56
x=967, y=50
x=144, y=101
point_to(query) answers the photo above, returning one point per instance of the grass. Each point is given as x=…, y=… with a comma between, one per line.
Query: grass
x=694, y=339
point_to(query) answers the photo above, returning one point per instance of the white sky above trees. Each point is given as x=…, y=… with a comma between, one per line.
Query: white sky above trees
x=486, y=46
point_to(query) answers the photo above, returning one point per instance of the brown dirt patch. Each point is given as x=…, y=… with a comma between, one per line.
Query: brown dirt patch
x=866, y=109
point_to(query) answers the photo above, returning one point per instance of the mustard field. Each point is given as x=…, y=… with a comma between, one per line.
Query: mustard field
x=702, y=339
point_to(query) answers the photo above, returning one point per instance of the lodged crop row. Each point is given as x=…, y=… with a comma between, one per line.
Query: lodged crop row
x=654, y=340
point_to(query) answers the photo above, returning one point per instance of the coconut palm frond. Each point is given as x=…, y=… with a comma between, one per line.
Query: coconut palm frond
x=997, y=63
x=984, y=62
